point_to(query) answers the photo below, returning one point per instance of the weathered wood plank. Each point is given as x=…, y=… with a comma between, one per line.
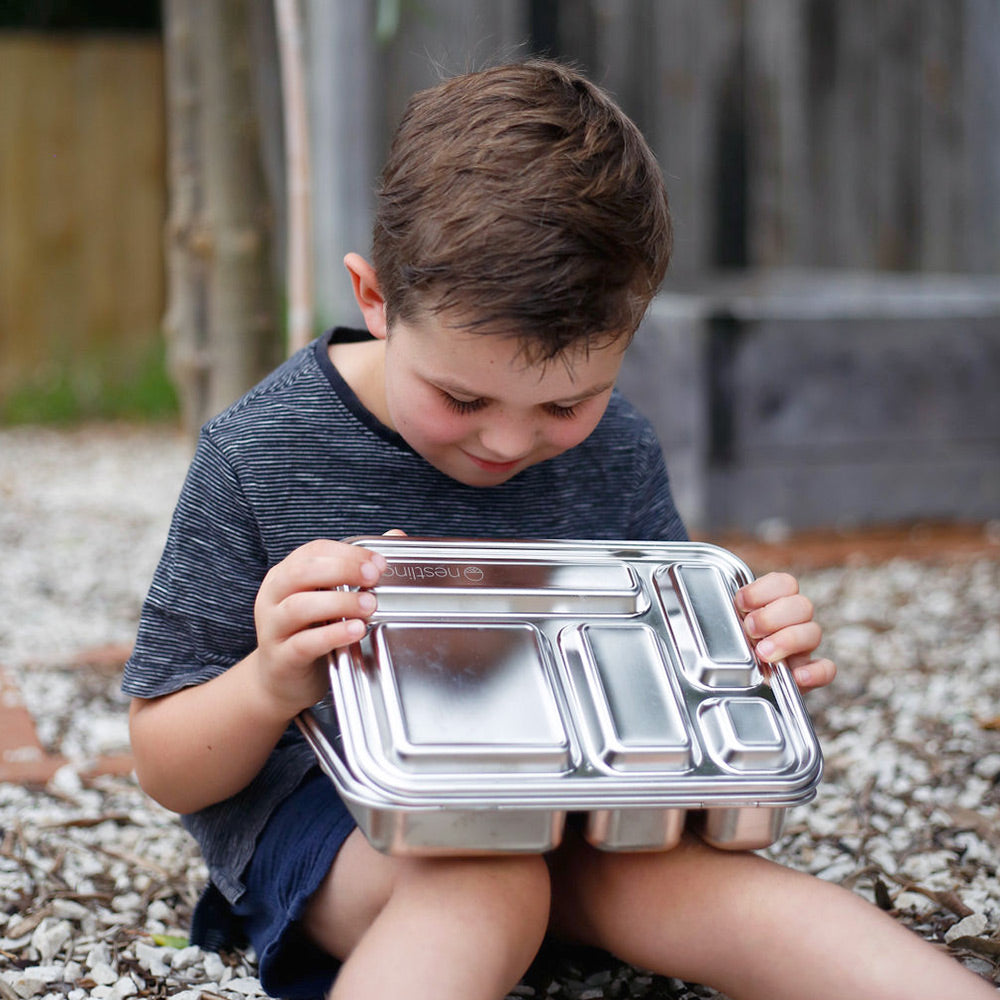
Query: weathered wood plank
x=81, y=199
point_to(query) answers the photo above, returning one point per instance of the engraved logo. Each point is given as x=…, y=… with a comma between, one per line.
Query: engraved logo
x=445, y=573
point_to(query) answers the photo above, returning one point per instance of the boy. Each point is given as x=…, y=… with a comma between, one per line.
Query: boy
x=521, y=231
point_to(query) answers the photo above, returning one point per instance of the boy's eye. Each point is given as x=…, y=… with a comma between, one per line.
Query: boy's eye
x=462, y=405
x=564, y=412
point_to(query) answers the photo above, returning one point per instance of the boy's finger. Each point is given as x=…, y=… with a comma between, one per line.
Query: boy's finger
x=781, y=613
x=315, y=643
x=316, y=567
x=308, y=608
x=811, y=674
x=765, y=590
x=787, y=642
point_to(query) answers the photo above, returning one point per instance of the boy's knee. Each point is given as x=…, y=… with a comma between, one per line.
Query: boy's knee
x=520, y=888
x=512, y=891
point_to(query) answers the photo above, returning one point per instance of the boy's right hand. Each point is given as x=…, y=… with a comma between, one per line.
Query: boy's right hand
x=301, y=615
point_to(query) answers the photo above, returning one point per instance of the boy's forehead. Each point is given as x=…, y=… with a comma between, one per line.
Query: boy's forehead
x=471, y=361
x=452, y=336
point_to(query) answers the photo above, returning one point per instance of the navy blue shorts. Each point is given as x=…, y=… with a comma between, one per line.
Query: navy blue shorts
x=293, y=856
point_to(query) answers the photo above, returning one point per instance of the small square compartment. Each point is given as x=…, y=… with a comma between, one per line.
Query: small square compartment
x=744, y=734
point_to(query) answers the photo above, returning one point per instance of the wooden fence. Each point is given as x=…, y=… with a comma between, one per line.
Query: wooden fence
x=82, y=202
x=857, y=134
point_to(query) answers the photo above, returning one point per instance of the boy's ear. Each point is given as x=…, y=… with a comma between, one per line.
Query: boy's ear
x=367, y=294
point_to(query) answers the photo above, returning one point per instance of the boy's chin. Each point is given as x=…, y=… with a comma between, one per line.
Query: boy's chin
x=469, y=473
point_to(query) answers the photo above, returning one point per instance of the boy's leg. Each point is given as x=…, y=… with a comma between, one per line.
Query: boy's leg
x=460, y=927
x=746, y=926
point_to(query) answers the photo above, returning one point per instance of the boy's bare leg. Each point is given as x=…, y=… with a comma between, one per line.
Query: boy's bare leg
x=465, y=927
x=746, y=926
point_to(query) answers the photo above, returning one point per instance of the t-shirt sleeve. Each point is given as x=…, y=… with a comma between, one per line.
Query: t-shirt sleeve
x=654, y=516
x=197, y=619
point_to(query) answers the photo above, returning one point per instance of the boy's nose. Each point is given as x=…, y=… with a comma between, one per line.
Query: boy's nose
x=506, y=440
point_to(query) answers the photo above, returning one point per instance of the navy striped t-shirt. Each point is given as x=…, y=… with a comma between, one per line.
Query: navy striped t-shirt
x=299, y=458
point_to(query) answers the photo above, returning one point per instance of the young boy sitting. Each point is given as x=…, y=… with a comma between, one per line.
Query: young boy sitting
x=521, y=232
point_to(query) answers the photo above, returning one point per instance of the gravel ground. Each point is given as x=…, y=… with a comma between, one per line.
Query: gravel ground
x=97, y=882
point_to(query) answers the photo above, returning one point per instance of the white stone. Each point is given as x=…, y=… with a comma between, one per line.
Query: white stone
x=49, y=938
x=25, y=986
x=125, y=987
x=34, y=980
x=126, y=902
x=247, y=986
x=67, y=780
x=69, y=909
x=988, y=767
x=103, y=974
x=156, y=961
x=970, y=926
x=215, y=968
x=185, y=957
x=158, y=910
x=99, y=954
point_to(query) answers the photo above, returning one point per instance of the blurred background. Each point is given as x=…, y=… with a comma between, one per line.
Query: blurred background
x=826, y=350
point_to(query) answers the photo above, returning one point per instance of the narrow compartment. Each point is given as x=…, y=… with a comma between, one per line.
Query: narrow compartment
x=459, y=588
x=635, y=706
x=698, y=606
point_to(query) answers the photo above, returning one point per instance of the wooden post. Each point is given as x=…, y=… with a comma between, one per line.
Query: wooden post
x=220, y=322
x=298, y=178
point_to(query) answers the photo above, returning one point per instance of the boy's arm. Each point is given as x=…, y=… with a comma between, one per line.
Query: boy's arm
x=204, y=743
x=779, y=621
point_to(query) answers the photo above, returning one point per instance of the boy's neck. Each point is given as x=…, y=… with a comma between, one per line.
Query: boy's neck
x=361, y=365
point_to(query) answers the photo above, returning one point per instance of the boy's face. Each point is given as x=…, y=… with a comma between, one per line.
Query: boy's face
x=471, y=406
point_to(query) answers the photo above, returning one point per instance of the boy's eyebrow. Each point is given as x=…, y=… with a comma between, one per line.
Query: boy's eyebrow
x=454, y=388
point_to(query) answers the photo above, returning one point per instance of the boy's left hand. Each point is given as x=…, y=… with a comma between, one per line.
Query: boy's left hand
x=779, y=622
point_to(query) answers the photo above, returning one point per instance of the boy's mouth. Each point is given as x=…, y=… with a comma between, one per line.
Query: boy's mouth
x=489, y=466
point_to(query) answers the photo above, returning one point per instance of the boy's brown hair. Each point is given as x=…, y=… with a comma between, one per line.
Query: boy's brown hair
x=521, y=200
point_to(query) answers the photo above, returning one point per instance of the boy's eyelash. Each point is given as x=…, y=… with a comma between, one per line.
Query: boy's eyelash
x=471, y=405
x=565, y=412
x=462, y=405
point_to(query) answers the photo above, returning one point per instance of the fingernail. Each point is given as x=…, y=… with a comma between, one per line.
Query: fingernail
x=803, y=677
x=356, y=629
x=370, y=571
x=749, y=625
x=366, y=602
x=766, y=649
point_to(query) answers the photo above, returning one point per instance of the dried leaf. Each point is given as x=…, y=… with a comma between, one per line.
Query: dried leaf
x=949, y=900
x=882, y=898
x=169, y=941
x=84, y=822
x=27, y=924
x=989, y=947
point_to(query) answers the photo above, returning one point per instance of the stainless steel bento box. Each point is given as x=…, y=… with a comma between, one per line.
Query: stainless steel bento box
x=503, y=686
